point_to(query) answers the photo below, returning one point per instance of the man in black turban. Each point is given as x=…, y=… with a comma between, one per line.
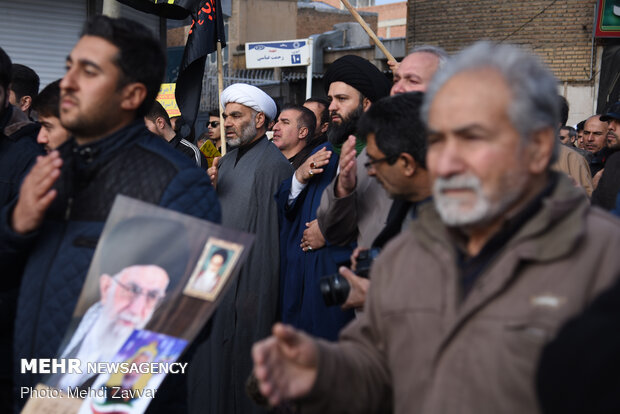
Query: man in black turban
x=353, y=207
x=352, y=83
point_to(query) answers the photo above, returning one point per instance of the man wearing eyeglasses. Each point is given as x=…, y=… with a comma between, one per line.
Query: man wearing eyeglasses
x=128, y=300
x=213, y=126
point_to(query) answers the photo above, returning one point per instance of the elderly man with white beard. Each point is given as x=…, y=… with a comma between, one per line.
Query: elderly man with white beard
x=462, y=303
x=139, y=260
x=128, y=300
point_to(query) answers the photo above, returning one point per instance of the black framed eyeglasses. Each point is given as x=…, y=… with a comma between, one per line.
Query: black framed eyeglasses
x=213, y=124
x=133, y=291
x=389, y=159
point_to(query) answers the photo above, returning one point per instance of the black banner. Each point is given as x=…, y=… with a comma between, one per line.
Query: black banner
x=207, y=29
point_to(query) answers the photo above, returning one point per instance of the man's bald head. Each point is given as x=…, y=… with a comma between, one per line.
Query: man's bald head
x=417, y=69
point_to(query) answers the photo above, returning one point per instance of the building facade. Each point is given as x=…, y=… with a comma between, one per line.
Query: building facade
x=560, y=32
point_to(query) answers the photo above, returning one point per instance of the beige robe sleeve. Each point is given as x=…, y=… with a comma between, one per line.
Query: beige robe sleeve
x=360, y=216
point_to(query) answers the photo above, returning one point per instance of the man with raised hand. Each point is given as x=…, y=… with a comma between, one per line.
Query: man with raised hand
x=463, y=302
x=113, y=75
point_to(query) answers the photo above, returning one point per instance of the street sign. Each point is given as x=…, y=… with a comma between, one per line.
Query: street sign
x=277, y=54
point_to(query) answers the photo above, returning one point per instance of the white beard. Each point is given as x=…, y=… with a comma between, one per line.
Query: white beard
x=100, y=344
x=454, y=214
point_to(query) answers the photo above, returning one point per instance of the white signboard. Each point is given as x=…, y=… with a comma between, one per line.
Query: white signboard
x=277, y=54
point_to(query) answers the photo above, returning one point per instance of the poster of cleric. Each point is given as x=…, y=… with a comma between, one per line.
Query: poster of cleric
x=142, y=303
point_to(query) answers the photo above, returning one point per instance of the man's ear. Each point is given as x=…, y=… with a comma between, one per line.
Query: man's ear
x=160, y=123
x=260, y=120
x=408, y=163
x=366, y=104
x=324, y=127
x=105, y=282
x=25, y=102
x=302, y=133
x=540, y=149
x=133, y=96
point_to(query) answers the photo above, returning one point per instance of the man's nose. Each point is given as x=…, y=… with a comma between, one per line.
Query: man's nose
x=448, y=160
x=42, y=138
x=397, y=88
x=138, y=305
x=371, y=170
x=68, y=81
x=332, y=106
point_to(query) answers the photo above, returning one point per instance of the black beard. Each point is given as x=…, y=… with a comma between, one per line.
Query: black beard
x=337, y=133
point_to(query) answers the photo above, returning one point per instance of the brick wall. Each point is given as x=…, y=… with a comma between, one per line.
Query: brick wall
x=392, y=19
x=334, y=3
x=560, y=31
x=315, y=21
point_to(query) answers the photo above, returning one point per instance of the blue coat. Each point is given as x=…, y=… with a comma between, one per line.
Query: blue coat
x=301, y=303
x=132, y=162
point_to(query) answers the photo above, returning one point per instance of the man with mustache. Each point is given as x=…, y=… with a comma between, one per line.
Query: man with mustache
x=347, y=214
x=246, y=179
x=464, y=300
x=139, y=260
x=128, y=300
x=112, y=77
x=609, y=185
x=353, y=207
x=595, y=142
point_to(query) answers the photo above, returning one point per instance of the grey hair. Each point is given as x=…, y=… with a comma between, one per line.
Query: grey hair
x=433, y=50
x=534, y=104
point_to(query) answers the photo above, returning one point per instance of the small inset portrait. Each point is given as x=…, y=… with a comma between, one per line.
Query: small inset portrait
x=216, y=262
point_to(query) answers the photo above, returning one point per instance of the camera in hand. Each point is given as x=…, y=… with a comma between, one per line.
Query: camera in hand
x=335, y=288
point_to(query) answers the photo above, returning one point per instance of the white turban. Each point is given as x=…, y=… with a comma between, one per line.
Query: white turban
x=250, y=96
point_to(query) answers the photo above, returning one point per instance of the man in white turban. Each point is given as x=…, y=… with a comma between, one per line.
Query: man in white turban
x=246, y=180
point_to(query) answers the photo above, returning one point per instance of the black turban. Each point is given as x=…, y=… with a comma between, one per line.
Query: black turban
x=146, y=241
x=360, y=74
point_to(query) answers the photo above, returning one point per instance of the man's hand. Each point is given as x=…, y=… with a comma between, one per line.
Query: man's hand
x=359, y=287
x=285, y=364
x=212, y=171
x=393, y=65
x=313, y=238
x=348, y=169
x=36, y=193
x=354, y=257
x=313, y=165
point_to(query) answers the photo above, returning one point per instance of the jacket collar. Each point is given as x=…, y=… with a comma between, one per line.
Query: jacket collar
x=550, y=233
x=176, y=140
x=100, y=150
x=13, y=120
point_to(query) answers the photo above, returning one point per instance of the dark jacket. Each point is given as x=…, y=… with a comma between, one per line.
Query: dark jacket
x=609, y=184
x=579, y=371
x=18, y=151
x=190, y=150
x=598, y=160
x=131, y=162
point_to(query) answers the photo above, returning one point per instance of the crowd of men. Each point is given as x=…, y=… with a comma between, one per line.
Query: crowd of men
x=483, y=212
